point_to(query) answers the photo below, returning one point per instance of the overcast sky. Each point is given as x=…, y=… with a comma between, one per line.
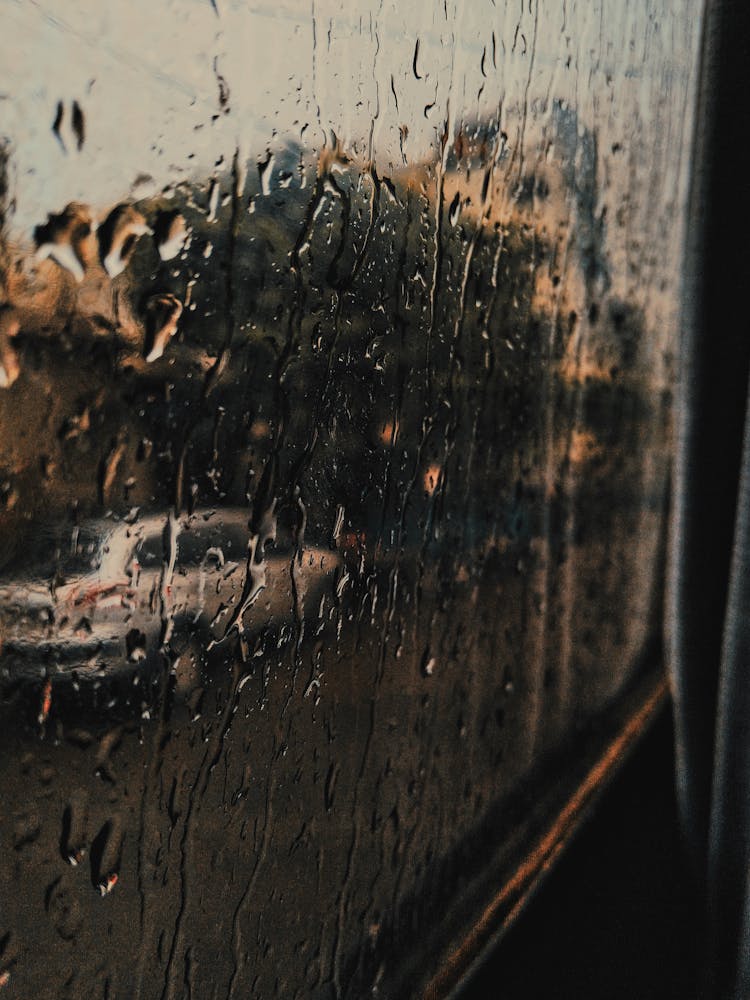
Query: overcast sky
x=145, y=73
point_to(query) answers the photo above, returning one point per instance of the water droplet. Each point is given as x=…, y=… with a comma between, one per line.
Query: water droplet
x=455, y=209
x=170, y=234
x=265, y=171
x=118, y=235
x=428, y=664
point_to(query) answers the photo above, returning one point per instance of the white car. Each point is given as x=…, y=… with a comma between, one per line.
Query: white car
x=122, y=590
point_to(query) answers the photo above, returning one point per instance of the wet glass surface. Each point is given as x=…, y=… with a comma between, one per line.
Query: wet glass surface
x=336, y=360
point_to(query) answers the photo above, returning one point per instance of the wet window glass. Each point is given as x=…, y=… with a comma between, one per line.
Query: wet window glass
x=337, y=351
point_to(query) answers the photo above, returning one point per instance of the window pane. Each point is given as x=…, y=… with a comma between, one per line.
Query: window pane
x=337, y=345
